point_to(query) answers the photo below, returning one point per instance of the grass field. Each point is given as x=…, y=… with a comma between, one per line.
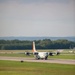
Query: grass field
x=20, y=53
x=35, y=68
x=70, y=56
x=32, y=68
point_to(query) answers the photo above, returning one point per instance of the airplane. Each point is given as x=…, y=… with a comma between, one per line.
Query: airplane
x=40, y=55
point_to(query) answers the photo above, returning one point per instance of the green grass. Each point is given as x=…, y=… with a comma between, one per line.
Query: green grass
x=63, y=56
x=20, y=53
x=32, y=68
x=70, y=56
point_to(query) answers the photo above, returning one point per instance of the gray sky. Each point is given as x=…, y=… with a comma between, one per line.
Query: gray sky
x=37, y=18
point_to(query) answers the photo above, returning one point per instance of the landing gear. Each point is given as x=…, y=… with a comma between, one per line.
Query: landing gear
x=46, y=57
x=37, y=58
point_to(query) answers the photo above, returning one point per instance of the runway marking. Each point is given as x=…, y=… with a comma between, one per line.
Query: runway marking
x=59, y=61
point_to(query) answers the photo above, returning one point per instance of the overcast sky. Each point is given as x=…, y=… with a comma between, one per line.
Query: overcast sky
x=37, y=18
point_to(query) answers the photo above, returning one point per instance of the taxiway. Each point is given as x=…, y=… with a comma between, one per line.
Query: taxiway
x=59, y=61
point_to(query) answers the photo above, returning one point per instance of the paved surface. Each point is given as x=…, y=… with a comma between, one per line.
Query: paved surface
x=60, y=61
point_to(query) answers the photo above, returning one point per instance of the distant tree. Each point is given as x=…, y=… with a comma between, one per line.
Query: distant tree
x=40, y=44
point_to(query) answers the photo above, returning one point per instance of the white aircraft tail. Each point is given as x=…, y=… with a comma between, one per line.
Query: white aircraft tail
x=34, y=49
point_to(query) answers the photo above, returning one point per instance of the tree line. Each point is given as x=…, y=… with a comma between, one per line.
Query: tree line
x=40, y=44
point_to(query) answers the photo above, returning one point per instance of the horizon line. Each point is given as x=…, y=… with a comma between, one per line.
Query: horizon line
x=37, y=36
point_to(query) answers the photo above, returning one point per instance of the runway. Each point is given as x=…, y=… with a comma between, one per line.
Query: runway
x=59, y=61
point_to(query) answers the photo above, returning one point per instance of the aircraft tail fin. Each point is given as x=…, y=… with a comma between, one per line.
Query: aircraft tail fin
x=34, y=49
